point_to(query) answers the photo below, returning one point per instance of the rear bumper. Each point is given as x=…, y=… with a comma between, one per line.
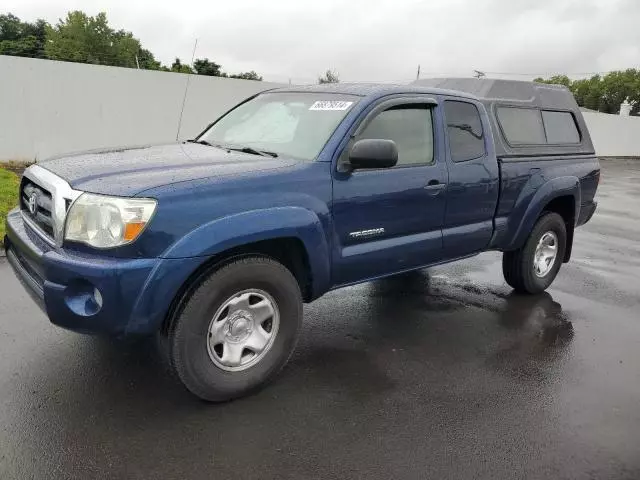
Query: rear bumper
x=94, y=293
x=586, y=212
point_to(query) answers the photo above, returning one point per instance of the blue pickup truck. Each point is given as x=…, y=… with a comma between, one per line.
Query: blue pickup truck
x=215, y=243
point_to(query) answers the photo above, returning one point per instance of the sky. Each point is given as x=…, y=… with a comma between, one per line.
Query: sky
x=375, y=40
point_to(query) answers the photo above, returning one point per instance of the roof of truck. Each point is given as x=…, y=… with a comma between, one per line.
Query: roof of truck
x=373, y=89
x=512, y=91
x=486, y=89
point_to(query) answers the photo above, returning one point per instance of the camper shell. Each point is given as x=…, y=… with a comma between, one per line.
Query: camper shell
x=527, y=118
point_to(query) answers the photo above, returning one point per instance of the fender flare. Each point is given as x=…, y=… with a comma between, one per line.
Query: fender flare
x=252, y=226
x=529, y=207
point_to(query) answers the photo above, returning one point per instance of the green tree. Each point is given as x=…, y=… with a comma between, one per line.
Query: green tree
x=178, y=67
x=588, y=92
x=556, y=80
x=247, y=76
x=329, y=77
x=147, y=61
x=22, y=39
x=603, y=93
x=619, y=85
x=86, y=39
x=82, y=38
x=203, y=66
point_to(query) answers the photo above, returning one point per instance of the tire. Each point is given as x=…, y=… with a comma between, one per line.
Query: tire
x=518, y=265
x=245, y=285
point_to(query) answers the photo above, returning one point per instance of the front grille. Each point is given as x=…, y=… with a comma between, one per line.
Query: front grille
x=37, y=205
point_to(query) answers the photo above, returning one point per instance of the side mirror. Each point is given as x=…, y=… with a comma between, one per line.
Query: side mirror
x=373, y=153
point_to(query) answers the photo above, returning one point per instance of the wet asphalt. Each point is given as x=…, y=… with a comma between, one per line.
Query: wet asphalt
x=437, y=374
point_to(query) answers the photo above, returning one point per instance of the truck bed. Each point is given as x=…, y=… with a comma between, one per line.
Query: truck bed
x=520, y=182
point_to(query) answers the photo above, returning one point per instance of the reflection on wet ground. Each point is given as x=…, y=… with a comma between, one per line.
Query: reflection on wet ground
x=438, y=374
x=536, y=327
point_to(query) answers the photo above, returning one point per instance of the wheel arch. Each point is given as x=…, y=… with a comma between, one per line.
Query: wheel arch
x=289, y=251
x=560, y=195
x=565, y=206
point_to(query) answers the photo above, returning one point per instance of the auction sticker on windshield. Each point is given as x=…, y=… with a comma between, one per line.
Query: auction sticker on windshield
x=330, y=105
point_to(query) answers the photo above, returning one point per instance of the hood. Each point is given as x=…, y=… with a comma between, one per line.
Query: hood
x=126, y=172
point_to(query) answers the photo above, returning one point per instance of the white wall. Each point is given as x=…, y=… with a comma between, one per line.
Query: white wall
x=48, y=107
x=613, y=135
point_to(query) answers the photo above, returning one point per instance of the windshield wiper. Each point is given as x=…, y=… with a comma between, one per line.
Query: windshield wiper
x=250, y=150
x=203, y=142
x=253, y=151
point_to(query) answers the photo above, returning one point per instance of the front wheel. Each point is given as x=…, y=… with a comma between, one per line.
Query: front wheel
x=237, y=329
x=532, y=268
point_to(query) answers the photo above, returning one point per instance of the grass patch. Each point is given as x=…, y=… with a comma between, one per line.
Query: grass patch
x=9, y=183
x=15, y=166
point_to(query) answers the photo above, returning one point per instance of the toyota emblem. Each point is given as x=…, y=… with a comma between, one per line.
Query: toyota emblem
x=32, y=203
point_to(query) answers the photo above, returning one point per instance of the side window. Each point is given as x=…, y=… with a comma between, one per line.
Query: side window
x=464, y=127
x=410, y=127
x=530, y=126
x=560, y=127
x=522, y=126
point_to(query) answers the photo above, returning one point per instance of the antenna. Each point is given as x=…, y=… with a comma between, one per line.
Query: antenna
x=186, y=89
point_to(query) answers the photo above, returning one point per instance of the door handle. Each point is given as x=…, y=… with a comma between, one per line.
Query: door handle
x=434, y=187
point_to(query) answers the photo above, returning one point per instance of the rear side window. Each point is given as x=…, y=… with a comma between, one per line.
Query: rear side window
x=522, y=126
x=464, y=127
x=560, y=127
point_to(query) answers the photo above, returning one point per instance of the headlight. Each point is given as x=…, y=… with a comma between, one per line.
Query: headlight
x=106, y=222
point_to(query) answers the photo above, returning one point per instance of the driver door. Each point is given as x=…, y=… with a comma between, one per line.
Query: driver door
x=390, y=220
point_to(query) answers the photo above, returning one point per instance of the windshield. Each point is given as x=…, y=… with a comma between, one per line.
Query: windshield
x=288, y=124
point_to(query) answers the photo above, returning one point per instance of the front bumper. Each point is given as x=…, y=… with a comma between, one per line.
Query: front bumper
x=94, y=293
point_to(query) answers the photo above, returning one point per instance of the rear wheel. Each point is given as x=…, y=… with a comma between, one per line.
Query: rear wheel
x=237, y=329
x=532, y=268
